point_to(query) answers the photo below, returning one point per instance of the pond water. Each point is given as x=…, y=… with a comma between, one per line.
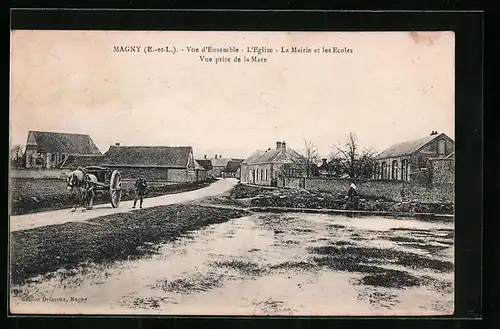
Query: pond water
x=271, y=264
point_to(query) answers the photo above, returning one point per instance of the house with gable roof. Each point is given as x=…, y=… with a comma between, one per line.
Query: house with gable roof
x=174, y=164
x=48, y=150
x=403, y=161
x=219, y=164
x=265, y=167
x=207, y=165
x=232, y=169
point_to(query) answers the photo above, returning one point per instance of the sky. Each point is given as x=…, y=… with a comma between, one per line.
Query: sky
x=394, y=86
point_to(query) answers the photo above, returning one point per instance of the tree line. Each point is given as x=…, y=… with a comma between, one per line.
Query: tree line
x=347, y=159
x=17, y=157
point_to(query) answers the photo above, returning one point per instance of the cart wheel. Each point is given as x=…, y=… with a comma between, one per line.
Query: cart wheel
x=115, y=188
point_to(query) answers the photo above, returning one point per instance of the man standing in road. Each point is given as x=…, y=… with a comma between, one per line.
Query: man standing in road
x=140, y=188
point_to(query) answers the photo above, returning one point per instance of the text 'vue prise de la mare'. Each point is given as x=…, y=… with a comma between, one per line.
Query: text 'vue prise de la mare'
x=232, y=54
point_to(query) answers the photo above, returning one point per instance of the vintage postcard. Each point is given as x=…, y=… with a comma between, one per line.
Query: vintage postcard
x=232, y=173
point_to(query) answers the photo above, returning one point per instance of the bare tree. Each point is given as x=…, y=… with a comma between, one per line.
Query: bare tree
x=17, y=156
x=311, y=156
x=352, y=161
x=334, y=165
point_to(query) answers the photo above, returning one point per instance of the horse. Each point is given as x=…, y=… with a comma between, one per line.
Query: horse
x=81, y=185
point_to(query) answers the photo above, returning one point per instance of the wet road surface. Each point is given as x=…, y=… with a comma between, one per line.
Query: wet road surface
x=268, y=264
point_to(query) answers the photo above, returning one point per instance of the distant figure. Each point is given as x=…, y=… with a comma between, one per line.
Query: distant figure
x=140, y=188
x=352, y=191
x=89, y=197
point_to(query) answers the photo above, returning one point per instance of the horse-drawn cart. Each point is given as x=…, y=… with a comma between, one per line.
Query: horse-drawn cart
x=107, y=180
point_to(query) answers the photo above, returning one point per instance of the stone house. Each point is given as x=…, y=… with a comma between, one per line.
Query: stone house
x=201, y=173
x=207, y=165
x=48, y=150
x=157, y=163
x=219, y=164
x=407, y=160
x=330, y=168
x=232, y=169
x=266, y=167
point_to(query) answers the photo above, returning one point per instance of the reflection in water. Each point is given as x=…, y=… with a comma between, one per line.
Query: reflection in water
x=268, y=264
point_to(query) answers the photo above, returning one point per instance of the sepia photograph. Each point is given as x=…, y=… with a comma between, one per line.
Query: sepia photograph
x=232, y=173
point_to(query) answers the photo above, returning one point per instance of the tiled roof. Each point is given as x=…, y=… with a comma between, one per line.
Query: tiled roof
x=75, y=161
x=255, y=155
x=205, y=163
x=407, y=148
x=233, y=165
x=222, y=162
x=148, y=156
x=62, y=143
x=197, y=165
x=282, y=155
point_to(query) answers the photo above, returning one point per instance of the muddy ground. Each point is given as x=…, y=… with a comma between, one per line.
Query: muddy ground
x=193, y=259
x=106, y=239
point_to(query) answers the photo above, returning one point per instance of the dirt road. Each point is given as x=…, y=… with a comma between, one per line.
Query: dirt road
x=29, y=221
x=268, y=264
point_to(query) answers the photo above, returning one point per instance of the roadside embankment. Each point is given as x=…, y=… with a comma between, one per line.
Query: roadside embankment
x=257, y=197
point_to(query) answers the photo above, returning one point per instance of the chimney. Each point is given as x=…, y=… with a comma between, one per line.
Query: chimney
x=434, y=132
x=283, y=145
x=117, y=144
x=216, y=156
x=205, y=156
x=278, y=145
x=324, y=162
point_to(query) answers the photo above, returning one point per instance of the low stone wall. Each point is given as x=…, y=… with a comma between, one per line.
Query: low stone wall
x=386, y=189
x=271, y=198
x=39, y=173
x=291, y=182
x=130, y=183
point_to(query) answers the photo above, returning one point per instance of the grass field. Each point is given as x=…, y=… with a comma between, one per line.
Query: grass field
x=21, y=187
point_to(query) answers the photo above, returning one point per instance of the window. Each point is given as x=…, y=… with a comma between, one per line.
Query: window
x=39, y=161
x=384, y=170
x=376, y=171
x=262, y=174
x=442, y=147
x=394, y=169
x=53, y=156
x=266, y=175
x=404, y=169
